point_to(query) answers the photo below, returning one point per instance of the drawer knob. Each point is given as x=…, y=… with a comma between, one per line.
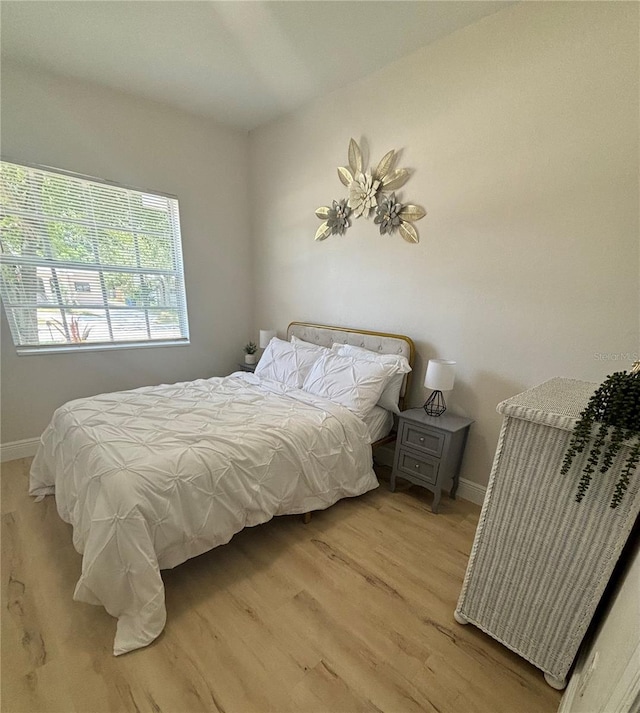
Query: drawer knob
x=421, y=439
x=417, y=465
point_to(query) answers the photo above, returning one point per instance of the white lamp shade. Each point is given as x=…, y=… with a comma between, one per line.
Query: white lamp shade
x=266, y=335
x=440, y=374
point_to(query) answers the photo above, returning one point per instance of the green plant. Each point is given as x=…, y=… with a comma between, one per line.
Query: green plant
x=167, y=317
x=250, y=348
x=610, y=420
x=76, y=334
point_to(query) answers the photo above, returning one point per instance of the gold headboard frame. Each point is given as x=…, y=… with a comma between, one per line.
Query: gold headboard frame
x=382, y=342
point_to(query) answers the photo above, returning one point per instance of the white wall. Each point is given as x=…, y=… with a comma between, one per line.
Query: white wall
x=96, y=131
x=523, y=133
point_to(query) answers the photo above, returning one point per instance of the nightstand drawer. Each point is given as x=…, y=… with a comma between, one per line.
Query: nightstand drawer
x=421, y=467
x=429, y=451
x=423, y=439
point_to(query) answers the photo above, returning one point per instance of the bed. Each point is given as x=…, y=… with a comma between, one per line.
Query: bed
x=151, y=477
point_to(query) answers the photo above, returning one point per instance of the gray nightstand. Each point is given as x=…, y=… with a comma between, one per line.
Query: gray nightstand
x=429, y=451
x=246, y=367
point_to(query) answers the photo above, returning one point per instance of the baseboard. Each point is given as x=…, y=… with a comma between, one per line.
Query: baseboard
x=467, y=489
x=18, y=449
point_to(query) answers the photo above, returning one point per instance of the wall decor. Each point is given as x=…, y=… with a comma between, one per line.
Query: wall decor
x=371, y=193
x=336, y=219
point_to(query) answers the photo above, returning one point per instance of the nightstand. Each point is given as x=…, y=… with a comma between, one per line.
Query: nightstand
x=246, y=367
x=429, y=451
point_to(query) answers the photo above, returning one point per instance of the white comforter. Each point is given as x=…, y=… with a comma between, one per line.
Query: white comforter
x=151, y=477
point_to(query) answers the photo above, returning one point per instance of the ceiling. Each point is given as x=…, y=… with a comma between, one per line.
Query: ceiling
x=243, y=63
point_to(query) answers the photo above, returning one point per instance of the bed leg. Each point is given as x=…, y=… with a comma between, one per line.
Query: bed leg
x=306, y=518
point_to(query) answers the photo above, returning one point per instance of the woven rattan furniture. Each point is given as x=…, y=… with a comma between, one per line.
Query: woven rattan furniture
x=540, y=560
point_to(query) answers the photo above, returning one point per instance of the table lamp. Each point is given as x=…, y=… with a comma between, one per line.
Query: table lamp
x=439, y=377
x=266, y=335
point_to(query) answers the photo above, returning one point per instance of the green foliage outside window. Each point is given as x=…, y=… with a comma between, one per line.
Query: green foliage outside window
x=62, y=220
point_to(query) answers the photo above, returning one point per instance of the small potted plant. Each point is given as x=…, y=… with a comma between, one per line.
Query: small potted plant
x=250, y=356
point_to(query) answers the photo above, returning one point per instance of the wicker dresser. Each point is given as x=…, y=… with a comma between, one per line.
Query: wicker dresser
x=540, y=561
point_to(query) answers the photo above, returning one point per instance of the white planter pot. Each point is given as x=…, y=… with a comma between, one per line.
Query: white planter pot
x=250, y=358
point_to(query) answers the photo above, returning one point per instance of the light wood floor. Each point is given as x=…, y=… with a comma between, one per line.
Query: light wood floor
x=353, y=612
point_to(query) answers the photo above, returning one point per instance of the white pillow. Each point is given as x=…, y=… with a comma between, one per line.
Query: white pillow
x=301, y=344
x=282, y=362
x=391, y=394
x=353, y=383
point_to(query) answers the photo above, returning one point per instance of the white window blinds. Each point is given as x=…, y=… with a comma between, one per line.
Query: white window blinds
x=88, y=264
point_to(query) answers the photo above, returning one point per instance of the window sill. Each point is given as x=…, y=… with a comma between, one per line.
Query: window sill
x=69, y=349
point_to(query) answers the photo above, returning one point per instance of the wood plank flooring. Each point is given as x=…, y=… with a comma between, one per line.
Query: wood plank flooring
x=353, y=612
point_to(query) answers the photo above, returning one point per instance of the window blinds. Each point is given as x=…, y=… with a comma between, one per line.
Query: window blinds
x=87, y=264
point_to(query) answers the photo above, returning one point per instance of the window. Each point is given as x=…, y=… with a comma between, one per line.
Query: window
x=88, y=264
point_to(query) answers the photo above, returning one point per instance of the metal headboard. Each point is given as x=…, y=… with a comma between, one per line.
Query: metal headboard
x=382, y=342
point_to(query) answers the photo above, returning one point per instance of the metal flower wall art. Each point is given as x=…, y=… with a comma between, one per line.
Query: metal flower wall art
x=371, y=194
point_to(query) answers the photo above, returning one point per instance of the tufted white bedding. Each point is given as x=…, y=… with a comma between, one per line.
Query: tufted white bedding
x=379, y=423
x=151, y=477
x=326, y=336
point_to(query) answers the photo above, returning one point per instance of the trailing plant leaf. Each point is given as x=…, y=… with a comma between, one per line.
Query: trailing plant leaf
x=623, y=482
x=614, y=408
x=592, y=461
